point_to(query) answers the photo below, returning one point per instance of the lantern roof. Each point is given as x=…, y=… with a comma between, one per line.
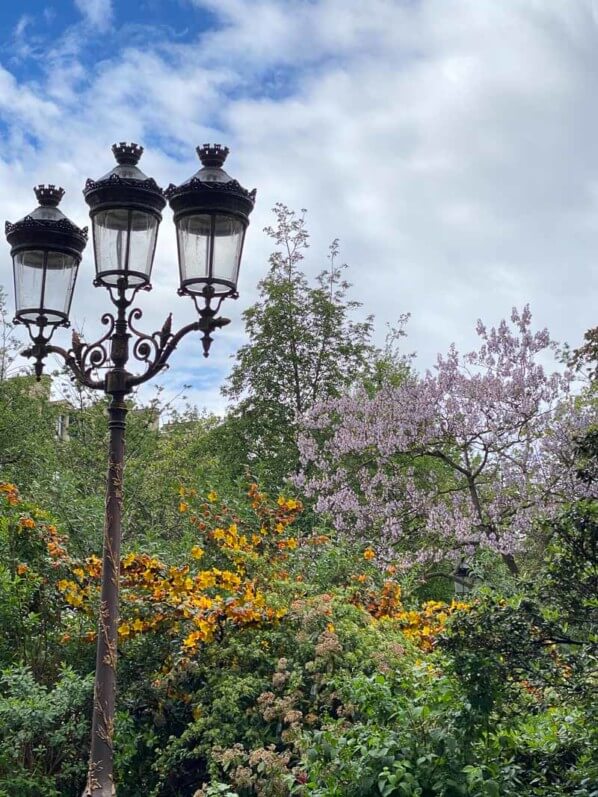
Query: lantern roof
x=46, y=226
x=211, y=189
x=125, y=185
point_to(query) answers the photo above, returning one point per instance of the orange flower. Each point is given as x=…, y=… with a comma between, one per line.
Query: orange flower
x=11, y=492
x=369, y=554
x=22, y=569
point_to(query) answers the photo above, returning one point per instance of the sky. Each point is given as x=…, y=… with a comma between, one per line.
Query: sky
x=451, y=146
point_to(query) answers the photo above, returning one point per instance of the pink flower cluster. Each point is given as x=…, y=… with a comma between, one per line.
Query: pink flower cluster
x=474, y=454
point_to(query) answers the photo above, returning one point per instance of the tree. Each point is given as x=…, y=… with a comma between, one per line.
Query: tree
x=586, y=356
x=8, y=341
x=303, y=347
x=501, y=428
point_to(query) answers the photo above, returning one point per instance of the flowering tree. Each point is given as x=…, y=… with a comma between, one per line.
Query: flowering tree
x=468, y=456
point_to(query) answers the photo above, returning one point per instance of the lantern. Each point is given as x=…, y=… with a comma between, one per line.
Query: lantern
x=46, y=250
x=211, y=214
x=125, y=210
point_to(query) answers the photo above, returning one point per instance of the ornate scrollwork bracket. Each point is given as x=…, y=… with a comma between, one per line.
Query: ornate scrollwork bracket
x=111, y=351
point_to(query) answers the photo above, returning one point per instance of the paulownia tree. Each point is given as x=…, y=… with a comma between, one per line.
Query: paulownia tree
x=468, y=456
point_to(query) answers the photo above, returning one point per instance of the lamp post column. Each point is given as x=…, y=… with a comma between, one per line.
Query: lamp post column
x=100, y=779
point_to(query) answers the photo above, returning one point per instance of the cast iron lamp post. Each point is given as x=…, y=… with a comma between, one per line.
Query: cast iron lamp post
x=211, y=215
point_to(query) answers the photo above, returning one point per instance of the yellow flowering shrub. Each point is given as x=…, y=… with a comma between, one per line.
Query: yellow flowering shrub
x=421, y=626
x=227, y=579
x=192, y=603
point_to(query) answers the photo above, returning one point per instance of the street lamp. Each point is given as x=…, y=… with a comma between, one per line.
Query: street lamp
x=462, y=581
x=211, y=214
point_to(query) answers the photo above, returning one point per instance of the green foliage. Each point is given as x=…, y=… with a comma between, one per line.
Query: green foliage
x=27, y=430
x=43, y=734
x=8, y=340
x=405, y=738
x=303, y=346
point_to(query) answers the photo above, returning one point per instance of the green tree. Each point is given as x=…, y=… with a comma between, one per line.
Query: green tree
x=8, y=340
x=304, y=346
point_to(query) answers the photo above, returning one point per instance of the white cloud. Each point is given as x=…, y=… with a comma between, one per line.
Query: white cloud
x=450, y=146
x=98, y=13
x=22, y=25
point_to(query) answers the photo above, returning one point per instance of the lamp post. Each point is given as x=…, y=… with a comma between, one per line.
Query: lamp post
x=211, y=215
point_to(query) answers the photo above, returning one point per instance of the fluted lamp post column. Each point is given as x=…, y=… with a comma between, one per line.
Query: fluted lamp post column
x=211, y=215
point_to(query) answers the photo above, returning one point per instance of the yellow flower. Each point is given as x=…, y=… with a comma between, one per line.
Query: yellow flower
x=183, y=507
x=368, y=554
x=197, y=552
x=137, y=624
x=128, y=560
x=190, y=642
x=124, y=630
x=94, y=565
x=212, y=496
x=74, y=598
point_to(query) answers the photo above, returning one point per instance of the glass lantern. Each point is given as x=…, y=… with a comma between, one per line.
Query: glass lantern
x=46, y=252
x=211, y=215
x=125, y=209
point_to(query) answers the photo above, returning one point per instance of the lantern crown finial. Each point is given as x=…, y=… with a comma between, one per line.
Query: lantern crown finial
x=127, y=154
x=48, y=196
x=212, y=155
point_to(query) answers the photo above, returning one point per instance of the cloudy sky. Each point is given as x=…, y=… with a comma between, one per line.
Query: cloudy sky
x=451, y=145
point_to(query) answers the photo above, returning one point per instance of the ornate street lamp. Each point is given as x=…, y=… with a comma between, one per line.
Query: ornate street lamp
x=462, y=580
x=211, y=213
x=46, y=250
x=125, y=210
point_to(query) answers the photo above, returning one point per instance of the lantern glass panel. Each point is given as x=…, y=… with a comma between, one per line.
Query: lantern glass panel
x=228, y=242
x=194, y=238
x=29, y=281
x=44, y=284
x=124, y=242
x=61, y=272
x=209, y=251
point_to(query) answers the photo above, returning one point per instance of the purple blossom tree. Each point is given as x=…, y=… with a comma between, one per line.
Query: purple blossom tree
x=472, y=455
